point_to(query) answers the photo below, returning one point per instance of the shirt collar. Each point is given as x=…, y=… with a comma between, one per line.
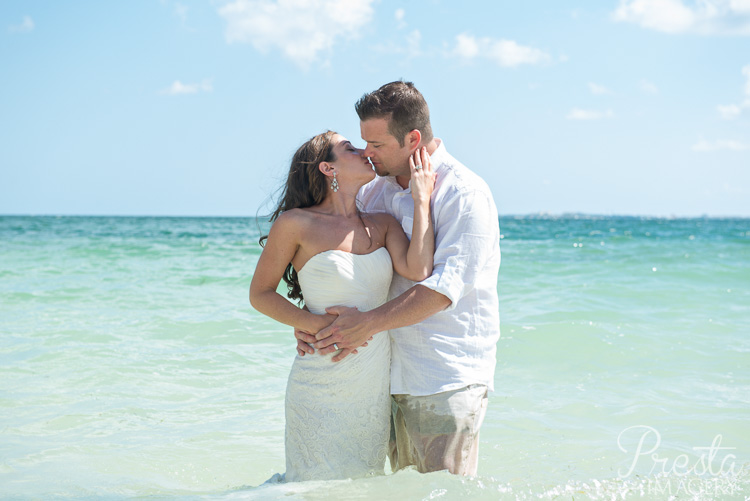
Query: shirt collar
x=438, y=157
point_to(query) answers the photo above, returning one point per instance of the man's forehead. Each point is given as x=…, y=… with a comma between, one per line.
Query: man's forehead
x=375, y=130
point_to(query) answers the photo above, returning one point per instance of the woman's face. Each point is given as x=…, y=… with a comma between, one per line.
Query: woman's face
x=350, y=164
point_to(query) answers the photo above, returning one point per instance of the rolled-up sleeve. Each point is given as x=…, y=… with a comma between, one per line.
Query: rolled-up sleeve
x=466, y=235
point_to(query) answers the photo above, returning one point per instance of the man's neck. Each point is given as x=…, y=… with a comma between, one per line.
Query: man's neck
x=432, y=147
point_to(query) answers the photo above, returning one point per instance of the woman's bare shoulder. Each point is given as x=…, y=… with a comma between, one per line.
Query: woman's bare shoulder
x=296, y=216
x=291, y=221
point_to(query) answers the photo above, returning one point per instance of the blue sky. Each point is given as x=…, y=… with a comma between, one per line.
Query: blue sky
x=161, y=107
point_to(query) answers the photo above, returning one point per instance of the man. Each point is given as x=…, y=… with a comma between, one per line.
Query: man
x=444, y=330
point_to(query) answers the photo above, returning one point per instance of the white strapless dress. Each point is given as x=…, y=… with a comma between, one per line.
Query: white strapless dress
x=338, y=413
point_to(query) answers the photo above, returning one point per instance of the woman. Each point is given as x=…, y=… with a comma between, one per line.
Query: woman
x=338, y=414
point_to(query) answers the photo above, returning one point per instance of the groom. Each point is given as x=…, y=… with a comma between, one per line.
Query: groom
x=444, y=329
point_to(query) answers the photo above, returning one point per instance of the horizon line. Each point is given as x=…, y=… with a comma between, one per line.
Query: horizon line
x=527, y=214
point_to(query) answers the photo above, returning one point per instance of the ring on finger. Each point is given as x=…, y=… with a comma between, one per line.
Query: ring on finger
x=418, y=166
x=335, y=346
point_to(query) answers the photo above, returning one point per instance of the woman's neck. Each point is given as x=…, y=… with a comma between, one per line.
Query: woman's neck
x=340, y=203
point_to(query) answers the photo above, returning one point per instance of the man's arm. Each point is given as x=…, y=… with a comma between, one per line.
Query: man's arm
x=466, y=237
x=353, y=327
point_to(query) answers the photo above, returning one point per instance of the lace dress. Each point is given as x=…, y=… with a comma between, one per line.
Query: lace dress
x=338, y=413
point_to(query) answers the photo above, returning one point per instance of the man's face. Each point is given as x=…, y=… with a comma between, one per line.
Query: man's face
x=387, y=156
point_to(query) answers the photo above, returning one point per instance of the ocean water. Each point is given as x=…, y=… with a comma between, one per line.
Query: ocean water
x=132, y=364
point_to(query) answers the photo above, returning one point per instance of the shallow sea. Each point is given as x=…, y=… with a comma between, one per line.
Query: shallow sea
x=132, y=365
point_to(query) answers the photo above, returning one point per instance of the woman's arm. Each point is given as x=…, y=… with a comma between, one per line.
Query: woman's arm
x=414, y=260
x=281, y=246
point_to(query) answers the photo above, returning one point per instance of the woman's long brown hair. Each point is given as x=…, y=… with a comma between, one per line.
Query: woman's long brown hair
x=305, y=186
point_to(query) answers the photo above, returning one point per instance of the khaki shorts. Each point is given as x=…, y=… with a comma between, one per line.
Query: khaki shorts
x=438, y=432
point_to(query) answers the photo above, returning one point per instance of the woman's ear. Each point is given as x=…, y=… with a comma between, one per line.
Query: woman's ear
x=326, y=168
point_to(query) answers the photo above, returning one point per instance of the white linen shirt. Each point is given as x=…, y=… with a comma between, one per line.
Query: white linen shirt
x=455, y=347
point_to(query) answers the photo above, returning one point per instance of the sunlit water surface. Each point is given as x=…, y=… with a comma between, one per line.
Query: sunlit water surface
x=131, y=364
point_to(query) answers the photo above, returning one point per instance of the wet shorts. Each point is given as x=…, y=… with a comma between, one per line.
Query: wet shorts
x=438, y=432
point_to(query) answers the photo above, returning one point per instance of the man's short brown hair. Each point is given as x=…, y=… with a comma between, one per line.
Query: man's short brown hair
x=402, y=105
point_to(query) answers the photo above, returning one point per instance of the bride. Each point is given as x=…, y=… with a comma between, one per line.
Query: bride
x=329, y=253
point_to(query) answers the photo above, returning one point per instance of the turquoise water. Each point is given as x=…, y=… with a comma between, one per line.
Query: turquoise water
x=131, y=364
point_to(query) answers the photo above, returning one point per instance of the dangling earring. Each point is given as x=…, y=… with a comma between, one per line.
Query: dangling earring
x=335, y=184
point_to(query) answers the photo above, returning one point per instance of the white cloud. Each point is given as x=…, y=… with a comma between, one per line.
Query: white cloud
x=300, y=29
x=599, y=90
x=705, y=17
x=409, y=46
x=466, y=47
x=399, y=16
x=506, y=53
x=721, y=144
x=26, y=26
x=648, y=87
x=579, y=114
x=740, y=5
x=181, y=11
x=179, y=88
x=670, y=16
x=413, y=40
x=509, y=53
x=730, y=111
